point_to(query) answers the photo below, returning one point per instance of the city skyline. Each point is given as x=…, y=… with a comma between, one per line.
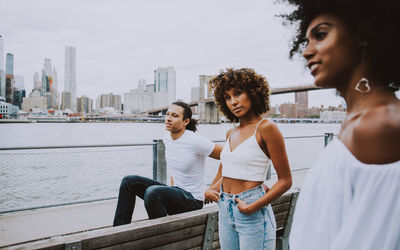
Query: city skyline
x=115, y=53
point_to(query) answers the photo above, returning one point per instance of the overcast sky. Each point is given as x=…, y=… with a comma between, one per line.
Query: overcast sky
x=119, y=42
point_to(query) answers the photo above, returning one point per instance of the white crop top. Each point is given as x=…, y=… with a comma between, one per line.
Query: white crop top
x=247, y=161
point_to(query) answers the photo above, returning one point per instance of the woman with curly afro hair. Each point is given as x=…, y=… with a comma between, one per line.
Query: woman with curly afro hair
x=246, y=220
x=350, y=198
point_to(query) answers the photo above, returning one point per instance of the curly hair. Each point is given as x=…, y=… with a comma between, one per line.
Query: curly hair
x=374, y=22
x=255, y=85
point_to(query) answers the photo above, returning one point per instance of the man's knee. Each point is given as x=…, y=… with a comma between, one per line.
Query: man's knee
x=129, y=181
x=153, y=194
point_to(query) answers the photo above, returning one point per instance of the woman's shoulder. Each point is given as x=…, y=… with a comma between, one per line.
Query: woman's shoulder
x=267, y=125
x=229, y=132
x=381, y=122
x=376, y=134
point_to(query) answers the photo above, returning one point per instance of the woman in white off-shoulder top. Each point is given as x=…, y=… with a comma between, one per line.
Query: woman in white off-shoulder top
x=351, y=196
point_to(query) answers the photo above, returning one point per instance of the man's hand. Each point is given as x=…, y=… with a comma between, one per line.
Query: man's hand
x=211, y=196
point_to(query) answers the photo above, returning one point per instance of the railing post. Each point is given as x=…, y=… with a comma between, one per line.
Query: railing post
x=159, y=162
x=328, y=138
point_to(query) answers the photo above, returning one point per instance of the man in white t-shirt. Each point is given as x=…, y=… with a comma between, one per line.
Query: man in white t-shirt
x=185, y=154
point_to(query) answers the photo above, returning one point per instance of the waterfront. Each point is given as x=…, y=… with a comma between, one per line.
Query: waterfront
x=30, y=178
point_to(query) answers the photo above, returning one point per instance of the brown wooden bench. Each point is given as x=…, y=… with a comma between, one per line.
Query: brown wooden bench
x=192, y=230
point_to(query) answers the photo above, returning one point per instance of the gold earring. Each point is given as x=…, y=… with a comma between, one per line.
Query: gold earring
x=366, y=89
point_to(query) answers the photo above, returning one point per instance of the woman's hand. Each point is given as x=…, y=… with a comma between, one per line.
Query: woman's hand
x=211, y=196
x=244, y=207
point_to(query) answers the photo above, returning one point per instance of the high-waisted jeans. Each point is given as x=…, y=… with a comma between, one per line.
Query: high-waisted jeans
x=159, y=199
x=245, y=231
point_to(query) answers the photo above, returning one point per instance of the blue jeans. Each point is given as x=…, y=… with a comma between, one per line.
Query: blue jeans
x=159, y=199
x=245, y=231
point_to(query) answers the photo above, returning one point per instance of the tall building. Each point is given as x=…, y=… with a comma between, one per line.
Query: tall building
x=138, y=100
x=49, y=84
x=288, y=110
x=37, y=84
x=2, y=72
x=9, y=78
x=301, y=99
x=164, y=87
x=84, y=104
x=66, y=100
x=43, y=83
x=54, y=89
x=9, y=64
x=70, y=73
x=111, y=101
x=19, y=90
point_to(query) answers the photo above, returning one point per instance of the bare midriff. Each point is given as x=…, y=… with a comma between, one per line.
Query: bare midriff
x=236, y=186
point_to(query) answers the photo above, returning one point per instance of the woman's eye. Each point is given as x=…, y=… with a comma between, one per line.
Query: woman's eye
x=227, y=97
x=320, y=35
x=236, y=93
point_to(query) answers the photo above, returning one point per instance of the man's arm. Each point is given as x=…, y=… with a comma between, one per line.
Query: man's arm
x=212, y=193
x=215, y=184
x=216, y=152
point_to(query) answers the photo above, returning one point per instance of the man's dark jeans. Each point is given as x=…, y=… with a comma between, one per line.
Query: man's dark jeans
x=159, y=199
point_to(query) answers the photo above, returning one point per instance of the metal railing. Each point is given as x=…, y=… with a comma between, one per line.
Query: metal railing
x=47, y=154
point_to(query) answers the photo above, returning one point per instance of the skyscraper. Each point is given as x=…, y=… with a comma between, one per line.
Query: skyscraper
x=2, y=73
x=9, y=78
x=19, y=90
x=164, y=87
x=37, y=84
x=54, y=89
x=9, y=64
x=70, y=74
x=48, y=85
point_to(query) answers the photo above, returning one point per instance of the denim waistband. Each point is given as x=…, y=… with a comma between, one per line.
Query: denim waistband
x=243, y=194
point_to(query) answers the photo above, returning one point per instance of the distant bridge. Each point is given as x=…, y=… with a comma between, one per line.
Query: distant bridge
x=207, y=109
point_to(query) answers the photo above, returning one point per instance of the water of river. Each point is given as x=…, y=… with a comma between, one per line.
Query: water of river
x=34, y=178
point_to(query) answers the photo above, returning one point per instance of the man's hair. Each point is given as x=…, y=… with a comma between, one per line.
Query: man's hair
x=375, y=23
x=187, y=114
x=255, y=85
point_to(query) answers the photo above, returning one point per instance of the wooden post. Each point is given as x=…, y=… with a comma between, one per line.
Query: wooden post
x=159, y=162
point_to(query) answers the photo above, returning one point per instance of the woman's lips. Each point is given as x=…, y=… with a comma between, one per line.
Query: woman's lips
x=314, y=67
x=236, y=110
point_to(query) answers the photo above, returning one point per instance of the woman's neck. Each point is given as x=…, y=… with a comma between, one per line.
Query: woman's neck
x=250, y=118
x=357, y=101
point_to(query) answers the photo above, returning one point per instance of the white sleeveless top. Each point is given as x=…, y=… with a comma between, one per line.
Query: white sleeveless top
x=346, y=204
x=246, y=162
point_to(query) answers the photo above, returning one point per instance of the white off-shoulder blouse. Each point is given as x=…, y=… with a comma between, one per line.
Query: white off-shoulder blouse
x=347, y=204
